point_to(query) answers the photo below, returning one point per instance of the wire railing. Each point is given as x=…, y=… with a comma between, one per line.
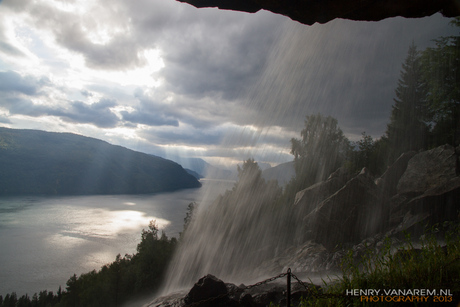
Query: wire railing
x=289, y=275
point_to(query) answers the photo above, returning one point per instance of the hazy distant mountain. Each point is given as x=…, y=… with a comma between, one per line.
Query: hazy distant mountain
x=203, y=168
x=194, y=174
x=282, y=172
x=263, y=166
x=39, y=162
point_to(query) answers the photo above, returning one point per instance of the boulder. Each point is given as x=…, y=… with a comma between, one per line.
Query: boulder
x=312, y=11
x=261, y=294
x=388, y=182
x=428, y=170
x=436, y=205
x=354, y=212
x=428, y=192
x=308, y=199
x=207, y=288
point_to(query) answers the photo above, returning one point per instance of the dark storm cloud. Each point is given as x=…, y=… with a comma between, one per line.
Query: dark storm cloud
x=72, y=32
x=184, y=137
x=149, y=119
x=86, y=93
x=150, y=112
x=118, y=54
x=98, y=114
x=226, y=136
x=345, y=69
x=206, y=52
x=18, y=92
x=16, y=5
x=11, y=81
x=219, y=60
x=4, y=120
x=23, y=106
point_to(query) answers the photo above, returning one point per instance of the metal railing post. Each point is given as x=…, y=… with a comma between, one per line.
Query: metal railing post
x=288, y=292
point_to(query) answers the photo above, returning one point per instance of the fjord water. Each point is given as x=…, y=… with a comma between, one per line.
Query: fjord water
x=45, y=240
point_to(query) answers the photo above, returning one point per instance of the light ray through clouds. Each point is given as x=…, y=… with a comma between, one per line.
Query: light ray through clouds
x=166, y=78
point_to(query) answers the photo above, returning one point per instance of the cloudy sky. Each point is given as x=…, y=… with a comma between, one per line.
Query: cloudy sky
x=166, y=78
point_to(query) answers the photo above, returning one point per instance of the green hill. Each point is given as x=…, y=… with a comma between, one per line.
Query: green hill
x=39, y=162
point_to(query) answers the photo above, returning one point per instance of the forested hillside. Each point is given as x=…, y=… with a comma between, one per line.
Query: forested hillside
x=39, y=162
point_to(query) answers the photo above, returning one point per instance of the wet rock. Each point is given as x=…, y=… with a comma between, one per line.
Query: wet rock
x=388, y=182
x=274, y=295
x=428, y=192
x=428, y=170
x=311, y=11
x=354, y=212
x=308, y=199
x=206, y=288
x=308, y=258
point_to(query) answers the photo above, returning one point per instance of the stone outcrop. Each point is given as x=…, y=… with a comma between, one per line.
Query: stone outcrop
x=428, y=191
x=388, y=182
x=428, y=170
x=351, y=214
x=418, y=191
x=312, y=11
x=230, y=295
x=206, y=287
x=307, y=200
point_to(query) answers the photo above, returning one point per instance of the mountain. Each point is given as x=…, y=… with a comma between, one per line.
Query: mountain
x=282, y=172
x=194, y=174
x=202, y=168
x=39, y=162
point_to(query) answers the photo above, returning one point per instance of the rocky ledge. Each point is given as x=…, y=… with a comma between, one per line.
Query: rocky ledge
x=359, y=212
x=210, y=291
x=312, y=11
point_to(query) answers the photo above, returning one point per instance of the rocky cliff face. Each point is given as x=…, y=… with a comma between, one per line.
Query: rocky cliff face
x=312, y=11
x=418, y=191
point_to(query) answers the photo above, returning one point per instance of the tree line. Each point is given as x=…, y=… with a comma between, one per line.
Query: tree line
x=425, y=114
x=125, y=279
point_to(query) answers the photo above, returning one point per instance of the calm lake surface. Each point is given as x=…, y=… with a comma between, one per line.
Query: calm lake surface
x=45, y=240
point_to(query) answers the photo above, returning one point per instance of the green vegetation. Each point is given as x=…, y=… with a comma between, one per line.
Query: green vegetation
x=432, y=267
x=320, y=151
x=45, y=163
x=125, y=279
x=425, y=114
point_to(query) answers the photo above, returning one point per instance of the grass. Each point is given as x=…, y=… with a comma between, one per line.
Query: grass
x=435, y=265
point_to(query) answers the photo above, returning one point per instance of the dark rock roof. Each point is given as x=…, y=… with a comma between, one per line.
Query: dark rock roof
x=321, y=11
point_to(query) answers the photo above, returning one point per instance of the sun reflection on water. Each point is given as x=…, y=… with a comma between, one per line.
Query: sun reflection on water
x=102, y=226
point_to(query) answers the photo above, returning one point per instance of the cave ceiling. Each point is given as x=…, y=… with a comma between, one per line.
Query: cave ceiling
x=321, y=11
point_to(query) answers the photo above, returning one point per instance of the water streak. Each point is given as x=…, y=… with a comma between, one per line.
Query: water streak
x=335, y=69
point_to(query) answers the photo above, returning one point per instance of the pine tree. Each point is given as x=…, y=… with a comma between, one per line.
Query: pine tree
x=442, y=70
x=407, y=129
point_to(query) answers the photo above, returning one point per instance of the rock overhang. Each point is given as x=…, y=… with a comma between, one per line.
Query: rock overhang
x=321, y=11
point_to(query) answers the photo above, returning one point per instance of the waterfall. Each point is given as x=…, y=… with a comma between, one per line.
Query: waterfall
x=322, y=68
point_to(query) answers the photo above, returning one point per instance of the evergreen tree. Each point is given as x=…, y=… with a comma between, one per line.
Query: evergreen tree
x=442, y=70
x=188, y=217
x=407, y=129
